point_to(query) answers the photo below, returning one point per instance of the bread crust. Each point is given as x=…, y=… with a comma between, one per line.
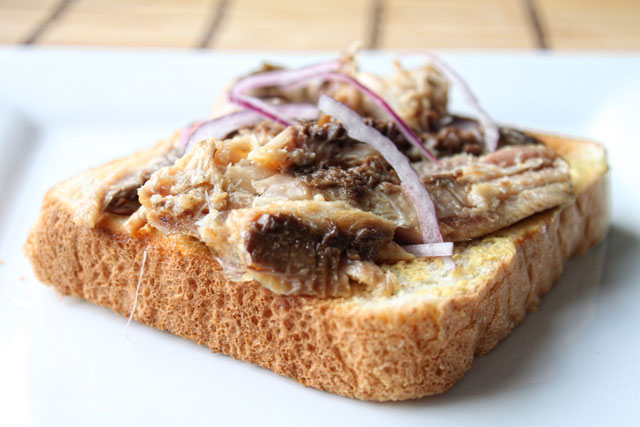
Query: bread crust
x=337, y=345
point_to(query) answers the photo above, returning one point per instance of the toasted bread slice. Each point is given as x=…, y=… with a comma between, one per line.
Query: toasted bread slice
x=416, y=342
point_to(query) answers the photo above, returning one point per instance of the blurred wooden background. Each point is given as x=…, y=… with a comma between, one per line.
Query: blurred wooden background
x=327, y=24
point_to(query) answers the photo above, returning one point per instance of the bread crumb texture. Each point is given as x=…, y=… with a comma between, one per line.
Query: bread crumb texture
x=418, y=341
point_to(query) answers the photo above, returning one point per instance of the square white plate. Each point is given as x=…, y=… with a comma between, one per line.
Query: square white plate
x=66, y=362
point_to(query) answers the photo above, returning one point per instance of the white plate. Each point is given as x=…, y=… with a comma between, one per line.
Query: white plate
x=66, y=362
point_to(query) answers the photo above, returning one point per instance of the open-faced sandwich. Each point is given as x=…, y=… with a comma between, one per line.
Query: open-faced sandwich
x=338, y=227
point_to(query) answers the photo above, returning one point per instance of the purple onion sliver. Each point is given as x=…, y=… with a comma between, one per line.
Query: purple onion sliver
x=424, y=207
x=357, y=129
x=327, y=71
x=443, y=249
x=222, y=126
x=187, y=132
x=280, y=77
x=491, y=129
x=262, y=108
x=273, y=78
x=402, y=125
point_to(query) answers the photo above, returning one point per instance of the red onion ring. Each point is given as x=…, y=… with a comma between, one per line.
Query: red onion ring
x=325, y=71
x=402, y=125
x=187, y=132
x=357, y=129
x=491, y=129
x=281, y=77
x=221, y=126
x=265, y=110
x=273, y=78
x=430, y=250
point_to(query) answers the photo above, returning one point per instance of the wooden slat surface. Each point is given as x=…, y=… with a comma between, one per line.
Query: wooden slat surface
x=167, y=23
x=592, y=24
x=329, y=24
x=20, y=18
x=272, y=24
x=455, y=24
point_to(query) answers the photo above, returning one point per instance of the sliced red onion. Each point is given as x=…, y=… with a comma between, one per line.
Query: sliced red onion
x=265, y=110
x=221, y=126
x=187, y=132
x=490, y=128
x=402, y=125
x=357, y=129
x=325, y=71
x=431, y=249
x=281, y=77
x=273, y=78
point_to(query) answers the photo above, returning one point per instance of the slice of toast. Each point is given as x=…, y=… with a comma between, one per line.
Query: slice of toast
x=417, y=342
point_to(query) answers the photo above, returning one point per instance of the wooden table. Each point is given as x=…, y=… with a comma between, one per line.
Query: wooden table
x=327, y=24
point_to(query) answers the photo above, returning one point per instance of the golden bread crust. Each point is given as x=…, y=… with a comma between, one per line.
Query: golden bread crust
x=345, y=346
